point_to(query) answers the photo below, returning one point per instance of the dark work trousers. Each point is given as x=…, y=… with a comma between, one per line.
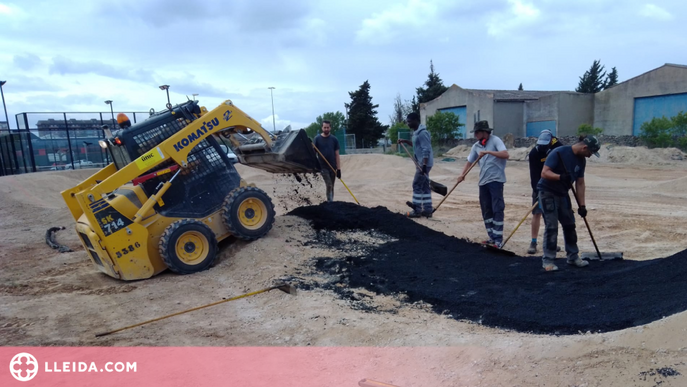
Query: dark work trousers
x=558, y=209
x=492, y=204
x=422, y=195
x=329, y=177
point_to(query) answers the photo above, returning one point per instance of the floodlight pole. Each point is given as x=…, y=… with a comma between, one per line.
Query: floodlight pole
x=2, y=83
x=274, y=125
x=166, y=88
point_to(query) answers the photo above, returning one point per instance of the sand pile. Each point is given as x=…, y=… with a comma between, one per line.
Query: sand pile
x=462, y=152
x=640, y=155
x=609, y=154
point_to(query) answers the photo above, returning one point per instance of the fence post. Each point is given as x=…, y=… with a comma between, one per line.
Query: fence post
x=69, y=141
x=28, y=139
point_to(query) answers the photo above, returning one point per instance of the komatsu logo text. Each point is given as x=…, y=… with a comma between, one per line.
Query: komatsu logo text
x=207, y=127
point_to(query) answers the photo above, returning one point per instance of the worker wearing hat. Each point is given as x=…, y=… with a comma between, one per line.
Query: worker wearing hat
x=564, y=167
x=545, y=144
x=492, y=155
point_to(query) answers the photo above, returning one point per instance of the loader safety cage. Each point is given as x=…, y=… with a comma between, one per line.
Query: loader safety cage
x=201, y=187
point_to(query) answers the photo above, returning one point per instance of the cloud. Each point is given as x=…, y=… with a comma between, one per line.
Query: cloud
x=9, y=10
x=655, y=12
x=27, y=61
x=400, y=19
x=519, y=15
x=66, y=66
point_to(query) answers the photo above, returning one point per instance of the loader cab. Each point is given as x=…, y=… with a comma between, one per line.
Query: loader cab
x=202, y=186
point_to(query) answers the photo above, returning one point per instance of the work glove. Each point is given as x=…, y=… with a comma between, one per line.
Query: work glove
x=566, y=180
x=582, y=211
x=338, y=174
x=424, y=169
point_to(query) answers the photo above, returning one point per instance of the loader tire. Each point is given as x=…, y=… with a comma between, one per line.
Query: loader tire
x=248, y=213
x=188, y=246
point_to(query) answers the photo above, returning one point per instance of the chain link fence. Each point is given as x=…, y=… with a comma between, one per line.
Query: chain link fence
x=55, y=141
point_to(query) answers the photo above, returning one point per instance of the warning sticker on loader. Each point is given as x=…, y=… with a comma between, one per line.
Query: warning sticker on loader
x=111, y=221
x=149, y=158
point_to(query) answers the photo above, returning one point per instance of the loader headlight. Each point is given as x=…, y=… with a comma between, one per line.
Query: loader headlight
x=102, y=144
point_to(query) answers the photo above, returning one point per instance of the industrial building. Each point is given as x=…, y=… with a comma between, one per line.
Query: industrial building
x=618, y=110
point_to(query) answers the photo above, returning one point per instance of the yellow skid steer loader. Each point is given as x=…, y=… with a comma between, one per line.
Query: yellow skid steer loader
x=171, y=193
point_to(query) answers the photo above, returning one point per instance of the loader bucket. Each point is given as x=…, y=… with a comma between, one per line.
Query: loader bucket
x=291, y=152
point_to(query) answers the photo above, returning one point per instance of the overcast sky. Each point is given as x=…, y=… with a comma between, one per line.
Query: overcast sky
x=72, y=55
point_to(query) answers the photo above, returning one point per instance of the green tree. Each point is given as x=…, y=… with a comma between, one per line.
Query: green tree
x=401, y=110
x=444, y=127
x=586, y=129
x=611, y=78
x=392, y=132
x=336, y=120
x=313, y=130
x=434, y=87
x=592, y=80
x=520, y=87
x=362, y=117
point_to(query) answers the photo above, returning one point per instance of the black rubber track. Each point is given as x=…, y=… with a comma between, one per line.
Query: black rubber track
x=471, y=283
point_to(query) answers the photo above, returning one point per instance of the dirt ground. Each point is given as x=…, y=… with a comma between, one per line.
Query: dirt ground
x=635, y=199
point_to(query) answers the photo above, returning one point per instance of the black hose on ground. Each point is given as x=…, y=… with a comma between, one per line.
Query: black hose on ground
x=49, y=239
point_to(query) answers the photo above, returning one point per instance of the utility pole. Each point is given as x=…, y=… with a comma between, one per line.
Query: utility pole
x=274, y=125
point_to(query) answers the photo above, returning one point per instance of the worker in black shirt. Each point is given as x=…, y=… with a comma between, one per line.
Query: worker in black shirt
x=545, y=143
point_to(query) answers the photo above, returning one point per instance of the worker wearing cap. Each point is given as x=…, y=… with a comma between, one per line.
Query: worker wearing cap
x=545, y=144
x=492, y=155
x=563, y=167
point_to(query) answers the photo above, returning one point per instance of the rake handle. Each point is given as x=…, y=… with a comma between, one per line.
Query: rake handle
x=519, y=224
x=456, y=185
x=340, y=179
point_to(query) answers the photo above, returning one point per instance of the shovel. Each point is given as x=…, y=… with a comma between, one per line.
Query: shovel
x=433, y=185
x=613, y=255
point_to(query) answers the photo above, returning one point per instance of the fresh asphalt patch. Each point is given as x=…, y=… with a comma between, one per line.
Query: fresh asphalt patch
x=461, y=278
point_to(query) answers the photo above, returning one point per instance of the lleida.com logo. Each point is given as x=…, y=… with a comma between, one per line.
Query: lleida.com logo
x=23, y=367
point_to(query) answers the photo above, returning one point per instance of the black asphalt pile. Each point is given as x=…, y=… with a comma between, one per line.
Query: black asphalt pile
x=462, y=278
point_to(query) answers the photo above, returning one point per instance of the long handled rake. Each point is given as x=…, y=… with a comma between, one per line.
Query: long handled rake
x=340, y=179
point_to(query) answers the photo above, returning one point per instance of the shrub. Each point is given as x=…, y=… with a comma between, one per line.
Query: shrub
x=586, y=129
x=657, y=133
x=392, y=132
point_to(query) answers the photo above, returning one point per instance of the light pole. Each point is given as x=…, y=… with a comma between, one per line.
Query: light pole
x=194, y=96
x=274, y=125
x=109, y=102
x=3, y=104
x=166, y=88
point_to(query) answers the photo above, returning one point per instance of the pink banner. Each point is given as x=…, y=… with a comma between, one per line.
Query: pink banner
x=235, y=366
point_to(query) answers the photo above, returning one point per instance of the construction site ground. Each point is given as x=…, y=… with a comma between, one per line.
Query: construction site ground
x=636, y=201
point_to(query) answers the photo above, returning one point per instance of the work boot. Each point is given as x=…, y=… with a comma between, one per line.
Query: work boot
x=579, y=262
x=426, y=214
x=410, y=204
x=414, y=214
x=548, y=265
x=533, y=248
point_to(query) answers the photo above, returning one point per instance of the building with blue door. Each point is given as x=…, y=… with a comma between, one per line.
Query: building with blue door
x=619, y=110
